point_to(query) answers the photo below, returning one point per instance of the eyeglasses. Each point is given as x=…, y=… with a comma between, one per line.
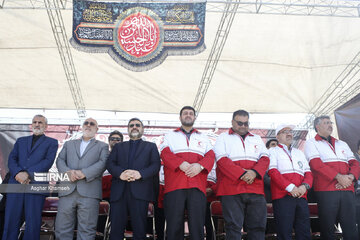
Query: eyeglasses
x=240, y=123
x=136, y=124
x=115, y=139
x=286, y=132
x=87, y=123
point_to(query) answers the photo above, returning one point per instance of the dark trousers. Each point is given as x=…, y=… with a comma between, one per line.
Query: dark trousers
x=159, y=222
x=17, y=205
x=208, y=225
x=248, y=206
x=337, y=206
x=120, y=210
x=175, y=203
x=292, y=213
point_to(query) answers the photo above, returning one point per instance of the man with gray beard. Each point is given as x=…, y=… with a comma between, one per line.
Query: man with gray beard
x=134, y=166
x=84, y=160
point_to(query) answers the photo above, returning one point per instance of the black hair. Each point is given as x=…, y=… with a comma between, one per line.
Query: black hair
x=271, y=140
x=240, y=113
x=135, y=119
x=116, y=133
x=189, y=108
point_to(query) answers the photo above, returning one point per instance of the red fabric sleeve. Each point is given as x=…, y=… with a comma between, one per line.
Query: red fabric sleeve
x=354, y=168
x=322, y=169
x=308, y=178
x=229, y=169
x=278, y=179
x=262, y=165
x=208, y=161
x=170, y=159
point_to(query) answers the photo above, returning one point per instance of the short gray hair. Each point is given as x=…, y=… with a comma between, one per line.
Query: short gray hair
x=41, y=116
x=317, y=120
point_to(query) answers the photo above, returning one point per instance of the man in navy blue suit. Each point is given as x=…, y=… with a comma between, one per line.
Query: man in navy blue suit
x=134, y=166
x=35, y=153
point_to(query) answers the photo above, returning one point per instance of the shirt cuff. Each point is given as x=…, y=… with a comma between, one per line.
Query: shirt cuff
x=290, y=187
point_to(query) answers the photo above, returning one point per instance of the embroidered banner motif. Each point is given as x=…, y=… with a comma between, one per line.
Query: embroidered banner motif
x=139, y=36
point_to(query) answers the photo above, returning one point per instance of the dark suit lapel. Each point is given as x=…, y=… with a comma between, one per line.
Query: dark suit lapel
x=140, y=148
x=126, y=147
x=29, y=139
x=91, y=145
x=38, y=142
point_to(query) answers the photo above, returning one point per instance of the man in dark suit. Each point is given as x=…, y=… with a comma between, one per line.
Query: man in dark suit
x=134, y=166
x=35, y=153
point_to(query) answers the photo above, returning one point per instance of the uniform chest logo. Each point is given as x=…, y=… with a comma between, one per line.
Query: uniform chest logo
x=300, y=164
x=256, y=148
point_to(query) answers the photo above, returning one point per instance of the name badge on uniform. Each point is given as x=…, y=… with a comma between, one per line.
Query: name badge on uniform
x=300, y=164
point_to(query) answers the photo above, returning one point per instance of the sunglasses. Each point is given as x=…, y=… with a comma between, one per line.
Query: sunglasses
x=87, y=123
x=240, y=123
x=115, y=139
x=132, y=125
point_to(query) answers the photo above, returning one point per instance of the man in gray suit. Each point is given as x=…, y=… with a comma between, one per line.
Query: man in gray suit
x=84, y=160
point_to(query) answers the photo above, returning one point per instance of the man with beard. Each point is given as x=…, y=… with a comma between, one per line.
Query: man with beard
x=84, y=160
x=241, y=163
x=291, y=178
x=30, y=154
x=188, y=158
x=335, y=169
x=134, y=166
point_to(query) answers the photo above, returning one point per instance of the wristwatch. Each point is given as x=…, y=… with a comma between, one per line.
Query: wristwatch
x=307, y=186
x=201, y=167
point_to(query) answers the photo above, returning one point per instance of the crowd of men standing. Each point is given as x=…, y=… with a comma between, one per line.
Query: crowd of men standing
x=188, y=162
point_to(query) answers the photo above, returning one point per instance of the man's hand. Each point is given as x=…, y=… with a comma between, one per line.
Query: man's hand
x=295, y=192
x=22, y=178
x=249, y=176
x=301, y=190
x=348, y=177
x=344, y=181
x=79, y=174
x=184, y=166
x=125, y=175
x=193, y=170
x=72, y=175
x=130, y=175
x=134, y=175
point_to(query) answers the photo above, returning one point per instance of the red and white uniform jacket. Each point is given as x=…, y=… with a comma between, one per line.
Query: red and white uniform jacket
x=211, y=183
x=233, y=157
x=176, y=149
x=161, y=186
x=288, y=169
x=327, y=160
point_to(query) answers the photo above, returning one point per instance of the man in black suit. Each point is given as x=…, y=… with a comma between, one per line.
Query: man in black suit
x=134, y=166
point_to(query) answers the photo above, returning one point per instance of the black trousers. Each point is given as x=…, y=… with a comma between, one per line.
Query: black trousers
x=120, y=210
x=292, y=213
x=246, y=206
x=337, y=206
x=175, y=203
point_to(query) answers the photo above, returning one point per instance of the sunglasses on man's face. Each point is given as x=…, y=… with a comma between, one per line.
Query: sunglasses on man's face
x=115, y=139
x=136, y=124
x=87, y=123
x=240, y=123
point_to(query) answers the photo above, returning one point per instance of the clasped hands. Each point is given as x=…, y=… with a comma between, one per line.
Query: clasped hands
x=249, y=176
x=130, y=175
x=298, y=192
x=75, y=175
x=344, y=181
x=22, y=178
x=190, y=170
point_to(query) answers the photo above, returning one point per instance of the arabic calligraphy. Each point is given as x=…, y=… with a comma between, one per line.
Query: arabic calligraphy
x=181, y=36
x=95, y=33
x=139, y=35
x=180, y=14
x=97, y=15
